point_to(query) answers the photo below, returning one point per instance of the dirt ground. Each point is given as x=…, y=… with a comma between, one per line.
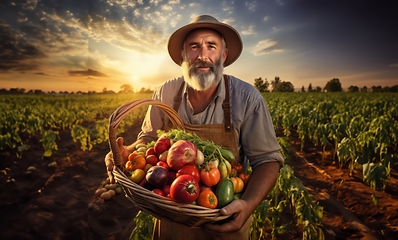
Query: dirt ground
x=59, y=203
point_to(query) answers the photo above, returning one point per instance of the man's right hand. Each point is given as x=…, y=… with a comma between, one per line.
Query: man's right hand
x=109, y=161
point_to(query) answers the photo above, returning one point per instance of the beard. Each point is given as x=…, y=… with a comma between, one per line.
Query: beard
x=200, y=80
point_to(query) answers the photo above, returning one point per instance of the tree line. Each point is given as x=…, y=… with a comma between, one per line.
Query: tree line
x=276, y=85
x=333, y=85
x=125, y=88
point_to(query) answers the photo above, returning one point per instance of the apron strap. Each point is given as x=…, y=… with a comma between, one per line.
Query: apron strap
x=226, y=104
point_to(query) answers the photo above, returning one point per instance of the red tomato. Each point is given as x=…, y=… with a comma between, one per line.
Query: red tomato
x=160, y=147
x=245, y=177
x=184, y=189
x=238, y=167
x=158, y=192
x=189, y=170
x=150, y=151
x=163, y=164
x=151, y=159
x=166, y=189
x=210, y=175
x=166, y=140
x=172, y=177
x=207, y=198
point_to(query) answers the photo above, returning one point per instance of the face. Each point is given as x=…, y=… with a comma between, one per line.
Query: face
x=203, y=59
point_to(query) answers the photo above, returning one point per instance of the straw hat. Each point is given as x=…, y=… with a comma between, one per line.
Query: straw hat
x=231, y=37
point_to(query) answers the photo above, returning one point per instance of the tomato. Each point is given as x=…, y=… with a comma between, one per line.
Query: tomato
x=166, y=189
x=137, y=176
x=208, y=199
x=190, y=170
x=184, y=189
x=238, y=184
x=166, y=140
x=158, y=192
x=245, y=177
x=160, y=147
x=163, y=164
x=138, y=162
x=172, y=177
x=210, y=175
x=151, y=159
x=224, y=192
x=150, y=151
x=238, y=167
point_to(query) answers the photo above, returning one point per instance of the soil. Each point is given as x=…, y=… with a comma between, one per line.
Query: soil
x=59, y=202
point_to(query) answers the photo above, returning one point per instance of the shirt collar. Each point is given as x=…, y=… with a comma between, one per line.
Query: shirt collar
x=220, y=90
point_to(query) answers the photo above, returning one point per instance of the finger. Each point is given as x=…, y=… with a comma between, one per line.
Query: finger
x=230, y=208
x=111, y=178
x=120, y=141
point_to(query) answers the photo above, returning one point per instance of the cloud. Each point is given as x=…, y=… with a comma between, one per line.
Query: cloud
x=393, y=65
x=265, y=47
x=265, y=18
x=251, y=6
x=249, y=31
x=17, y=53
x=88, y=72
x=41, y=73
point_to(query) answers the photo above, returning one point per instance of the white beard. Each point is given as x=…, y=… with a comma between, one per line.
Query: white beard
x=200, y=81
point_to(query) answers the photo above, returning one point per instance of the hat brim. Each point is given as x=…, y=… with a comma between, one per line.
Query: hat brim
x=231, y=37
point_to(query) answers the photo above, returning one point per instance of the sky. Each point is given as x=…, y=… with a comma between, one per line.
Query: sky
x=92, y=45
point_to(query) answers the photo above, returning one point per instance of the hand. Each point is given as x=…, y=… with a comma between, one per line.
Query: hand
x=109, y=161
x=238, y=209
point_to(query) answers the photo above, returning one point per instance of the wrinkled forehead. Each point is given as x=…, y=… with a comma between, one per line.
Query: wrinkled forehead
x=203, y=33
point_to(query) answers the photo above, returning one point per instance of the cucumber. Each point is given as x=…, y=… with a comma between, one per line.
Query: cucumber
x=224, y=192
x=228, y=155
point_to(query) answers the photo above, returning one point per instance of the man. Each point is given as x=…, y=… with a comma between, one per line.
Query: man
x=205, y=96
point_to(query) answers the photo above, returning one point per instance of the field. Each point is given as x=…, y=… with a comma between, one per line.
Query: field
x=341, y=147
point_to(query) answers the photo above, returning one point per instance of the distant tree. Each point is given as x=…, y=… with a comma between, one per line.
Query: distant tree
x=145, y=90
x=353, y=89
x=376, y=89
x=126, y=88
x=261, y=85
x=364, y=89
x=275, y=82
x=302, y=89
x=310, y=87
x=333, y=85
x=394, y=88
x=284, y=87
x=386, y=89
x=318, y=89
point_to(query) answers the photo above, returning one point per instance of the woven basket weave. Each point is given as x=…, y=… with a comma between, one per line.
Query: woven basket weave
x=147, y=201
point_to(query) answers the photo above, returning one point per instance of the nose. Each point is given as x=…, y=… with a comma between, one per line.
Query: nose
x=202, y=54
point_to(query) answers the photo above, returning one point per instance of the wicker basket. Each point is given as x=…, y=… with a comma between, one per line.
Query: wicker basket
x=147, y=201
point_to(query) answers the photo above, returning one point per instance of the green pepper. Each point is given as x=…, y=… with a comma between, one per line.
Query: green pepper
x=224, y=192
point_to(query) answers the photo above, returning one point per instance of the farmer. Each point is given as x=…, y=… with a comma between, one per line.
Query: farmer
x=203, y=48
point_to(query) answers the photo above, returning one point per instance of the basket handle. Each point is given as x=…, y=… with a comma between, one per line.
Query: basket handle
x=118, y=115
